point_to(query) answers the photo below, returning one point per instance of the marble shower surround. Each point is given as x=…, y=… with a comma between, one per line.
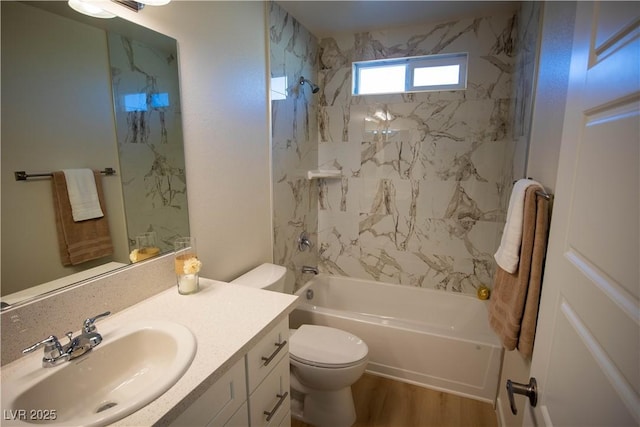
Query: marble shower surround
x=293, y=53
x=421, y=199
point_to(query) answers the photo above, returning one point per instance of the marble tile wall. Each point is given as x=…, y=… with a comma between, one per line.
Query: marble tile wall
x=426, y=177
x=150, y=147
x=421, y=201
x=293, y=53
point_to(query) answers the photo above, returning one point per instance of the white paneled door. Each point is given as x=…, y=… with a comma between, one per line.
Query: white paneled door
x=587, y=355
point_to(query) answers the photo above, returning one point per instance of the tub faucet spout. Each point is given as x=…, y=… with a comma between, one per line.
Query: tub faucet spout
x=309, y=269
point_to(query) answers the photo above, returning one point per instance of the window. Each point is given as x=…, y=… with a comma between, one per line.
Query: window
x=159, y=100
x=413, y=74
x=135, y=102
x=278, y=88
x=139, y=101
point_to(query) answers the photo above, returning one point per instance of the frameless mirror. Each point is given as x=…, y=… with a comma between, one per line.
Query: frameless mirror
x=82, y=92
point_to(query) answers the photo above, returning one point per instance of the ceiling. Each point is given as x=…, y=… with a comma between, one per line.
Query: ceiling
x=329, y=17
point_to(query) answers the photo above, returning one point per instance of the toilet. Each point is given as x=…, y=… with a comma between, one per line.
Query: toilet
x=324, y=362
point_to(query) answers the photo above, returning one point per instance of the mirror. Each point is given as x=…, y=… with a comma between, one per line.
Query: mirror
x=82, y=92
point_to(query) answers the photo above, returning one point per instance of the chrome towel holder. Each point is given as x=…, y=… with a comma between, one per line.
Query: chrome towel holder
x=23, y=176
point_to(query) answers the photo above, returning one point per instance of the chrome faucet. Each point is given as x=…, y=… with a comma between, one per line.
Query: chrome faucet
x=55, y=353
x=309, y=269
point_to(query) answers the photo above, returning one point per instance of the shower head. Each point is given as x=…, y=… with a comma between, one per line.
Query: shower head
x=314, y=88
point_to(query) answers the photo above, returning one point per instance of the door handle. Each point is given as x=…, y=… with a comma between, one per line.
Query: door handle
x=530, y=390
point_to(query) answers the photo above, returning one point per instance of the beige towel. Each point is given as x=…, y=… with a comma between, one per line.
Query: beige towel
x=84, y=240
x=513, y=308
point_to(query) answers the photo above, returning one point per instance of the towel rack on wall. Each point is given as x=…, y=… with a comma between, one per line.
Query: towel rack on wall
x=541, y=193
x=544, y=194
x=23, y=176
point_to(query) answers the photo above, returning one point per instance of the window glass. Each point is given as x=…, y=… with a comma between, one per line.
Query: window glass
x=278, y=88
x=382, y=79
x=412, y=74
x=442, y=75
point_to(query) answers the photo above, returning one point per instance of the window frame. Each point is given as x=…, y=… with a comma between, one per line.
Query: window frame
x=411, y=63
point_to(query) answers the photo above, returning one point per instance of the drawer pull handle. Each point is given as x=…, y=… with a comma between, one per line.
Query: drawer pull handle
x=280, y=346
x=282, y=397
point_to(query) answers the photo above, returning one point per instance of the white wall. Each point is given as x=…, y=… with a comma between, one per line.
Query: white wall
x=223, y=69
x=551, y=92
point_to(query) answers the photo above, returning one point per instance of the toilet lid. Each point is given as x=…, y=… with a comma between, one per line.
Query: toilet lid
x=325, y=346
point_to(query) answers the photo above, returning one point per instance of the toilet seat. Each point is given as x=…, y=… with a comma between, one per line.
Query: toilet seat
x=326, y=347
x=322, y=365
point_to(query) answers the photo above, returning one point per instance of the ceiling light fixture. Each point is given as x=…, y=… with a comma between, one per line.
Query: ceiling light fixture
x=154, y=2
x=130, y=4
x=90, y=9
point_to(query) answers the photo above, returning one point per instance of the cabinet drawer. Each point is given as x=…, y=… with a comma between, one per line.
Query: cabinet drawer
x=218, y=403
x=267, y=353
x=272, y=398
x=286, y=421
x=240, y=418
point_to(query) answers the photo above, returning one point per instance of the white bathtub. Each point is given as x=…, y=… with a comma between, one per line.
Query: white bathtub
x=435, y=339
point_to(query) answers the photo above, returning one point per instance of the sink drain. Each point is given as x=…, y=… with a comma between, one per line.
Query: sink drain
x=106, y=406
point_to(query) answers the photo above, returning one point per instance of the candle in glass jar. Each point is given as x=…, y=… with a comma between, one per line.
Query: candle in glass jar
x=187, y=265
x=188, y=283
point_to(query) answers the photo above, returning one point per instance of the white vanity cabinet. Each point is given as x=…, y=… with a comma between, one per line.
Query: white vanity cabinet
x=254, y=392
x=221, y=403
x=268, y=379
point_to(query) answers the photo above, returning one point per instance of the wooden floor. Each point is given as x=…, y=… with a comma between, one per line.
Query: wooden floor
x=381, y=402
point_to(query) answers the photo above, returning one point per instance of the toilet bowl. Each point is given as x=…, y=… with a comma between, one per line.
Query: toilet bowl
x=324, y=362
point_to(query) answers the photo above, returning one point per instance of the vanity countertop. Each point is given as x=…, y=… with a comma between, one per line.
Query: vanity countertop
x=226, y=319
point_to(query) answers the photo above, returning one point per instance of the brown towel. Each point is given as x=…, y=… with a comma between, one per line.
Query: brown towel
x=513, y=308
x=84, y=240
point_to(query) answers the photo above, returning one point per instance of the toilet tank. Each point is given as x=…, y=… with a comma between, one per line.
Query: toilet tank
x=265, y=276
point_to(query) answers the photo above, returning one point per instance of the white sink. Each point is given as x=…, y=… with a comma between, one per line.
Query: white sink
x=132, y=366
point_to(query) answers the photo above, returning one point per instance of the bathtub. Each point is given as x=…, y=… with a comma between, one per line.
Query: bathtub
x=431, y=338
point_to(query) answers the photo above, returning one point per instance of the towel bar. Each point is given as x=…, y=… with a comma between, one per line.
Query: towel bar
x=541, y=193
x=23, y=176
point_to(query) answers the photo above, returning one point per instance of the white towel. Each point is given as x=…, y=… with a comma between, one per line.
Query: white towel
x=83, y=196
x=508, y=254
